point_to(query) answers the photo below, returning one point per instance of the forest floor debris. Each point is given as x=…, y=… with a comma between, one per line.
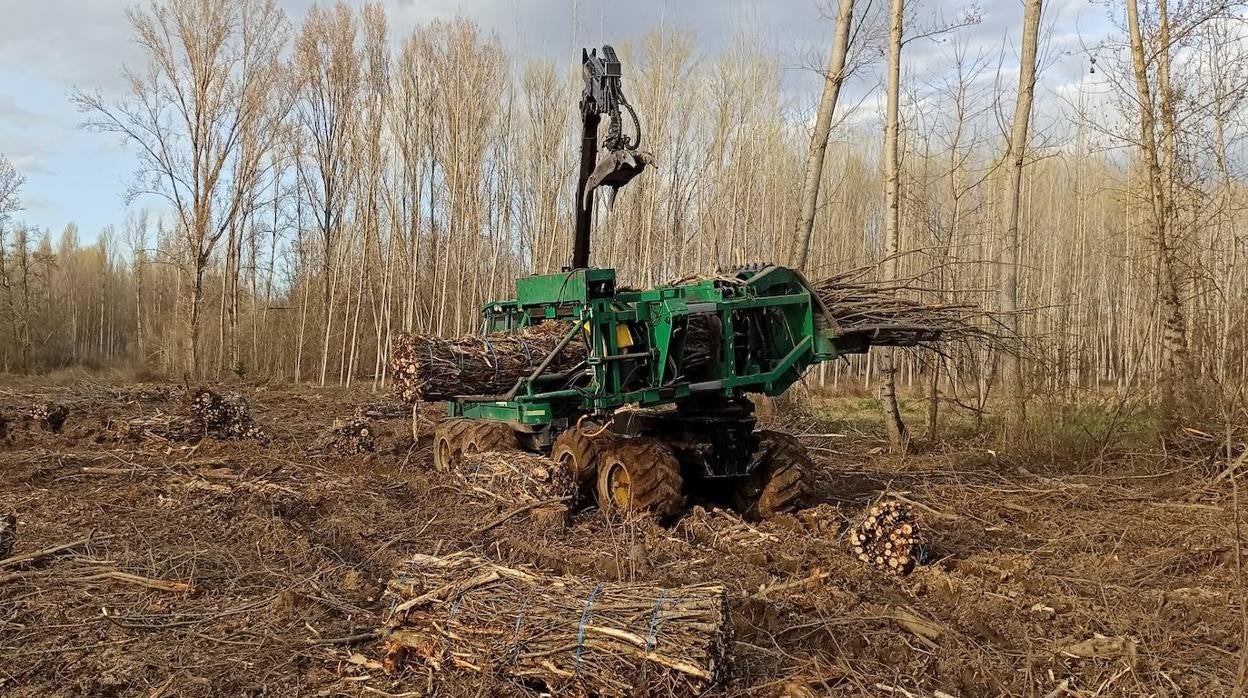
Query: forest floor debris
x=217, y=567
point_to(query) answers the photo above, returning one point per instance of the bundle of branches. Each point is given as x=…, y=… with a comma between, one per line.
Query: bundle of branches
x=875, y=312
x=348, y=438
x=517, y=479
x=574, y=635
x=425, y=367
x=888, y=538
x=225, y=416
x=161, y=426
x=50, y=415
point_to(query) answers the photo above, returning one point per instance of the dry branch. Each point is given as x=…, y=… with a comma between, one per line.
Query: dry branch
x=148, y=582
x=40, y=554
x=572, y=634
x=875, y=312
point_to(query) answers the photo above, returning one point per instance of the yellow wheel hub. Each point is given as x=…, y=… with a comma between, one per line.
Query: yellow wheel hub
x=620, y=486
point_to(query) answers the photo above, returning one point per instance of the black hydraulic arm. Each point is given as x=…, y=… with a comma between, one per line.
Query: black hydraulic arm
x=602, y=95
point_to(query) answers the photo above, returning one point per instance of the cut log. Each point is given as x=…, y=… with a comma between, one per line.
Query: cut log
x=573, y=635
x=427, y=368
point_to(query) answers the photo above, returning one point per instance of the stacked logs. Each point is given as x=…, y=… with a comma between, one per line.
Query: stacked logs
x=428, y=368
x=888, y=538
x=348, y=438
x=50, y=415
x=573, y=635
x=225, y=416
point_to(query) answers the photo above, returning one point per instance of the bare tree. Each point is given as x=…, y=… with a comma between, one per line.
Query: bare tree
x=210, y=67
x=1016, y=154
x=832, y=80
x=1160, y=183
x=11, y=182
x=896, y=428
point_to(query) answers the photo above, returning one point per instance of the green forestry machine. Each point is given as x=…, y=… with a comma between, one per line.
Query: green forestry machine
x=659, y=407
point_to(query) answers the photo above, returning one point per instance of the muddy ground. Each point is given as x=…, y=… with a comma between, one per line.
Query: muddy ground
x=244, y=568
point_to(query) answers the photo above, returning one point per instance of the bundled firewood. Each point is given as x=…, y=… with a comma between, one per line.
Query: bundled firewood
x=516, y=478
x=50, y=415
x=877, y=313
x=574, y=635
x=347, y=437
x=424, y=367
x=225, y=416
x=166, y=427
x=888, y=538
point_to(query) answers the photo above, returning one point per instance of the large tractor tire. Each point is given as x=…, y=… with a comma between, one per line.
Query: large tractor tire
x=456, y=438
x=581, y=451
x=779, y=485
x=640, y=475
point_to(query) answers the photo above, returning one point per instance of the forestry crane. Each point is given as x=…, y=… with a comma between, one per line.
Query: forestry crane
x=654, y=408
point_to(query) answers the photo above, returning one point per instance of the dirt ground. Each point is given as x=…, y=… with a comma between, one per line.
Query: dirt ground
x=243, y=568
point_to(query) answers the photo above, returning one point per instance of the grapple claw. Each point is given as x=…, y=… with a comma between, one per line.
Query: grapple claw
x=616, y=168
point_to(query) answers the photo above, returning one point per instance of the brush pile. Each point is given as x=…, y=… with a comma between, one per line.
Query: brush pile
x=225, y=416
x=874, y=312
x=348, y=438
x=574, y=635
x=888, y=538
x=428, y=368
x=516, y=478
x=50, y=415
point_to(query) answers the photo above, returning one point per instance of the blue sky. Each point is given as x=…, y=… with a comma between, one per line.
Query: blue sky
x=50, y=47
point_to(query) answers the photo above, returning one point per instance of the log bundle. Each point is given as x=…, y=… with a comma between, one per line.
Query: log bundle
x=573, y=635
x=49, y=415
x=347, y=437
x=426, y=368
x=225, y=416
x=888, y=538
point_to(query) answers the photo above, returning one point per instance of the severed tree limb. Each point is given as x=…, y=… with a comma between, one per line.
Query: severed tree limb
x=157, y=584
x=40, y=554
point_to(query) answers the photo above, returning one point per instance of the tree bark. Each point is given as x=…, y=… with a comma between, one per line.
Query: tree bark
x=1016, y=157
x=893, y=424
x=1171, y=372
x=832, y=81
